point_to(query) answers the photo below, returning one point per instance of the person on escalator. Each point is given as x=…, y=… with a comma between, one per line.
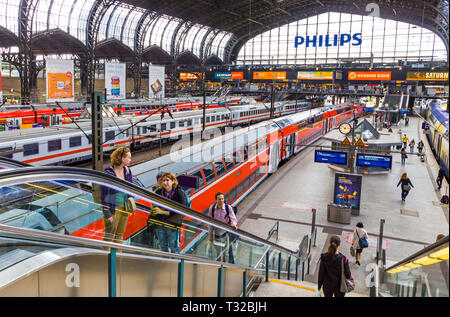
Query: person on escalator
x=115, y=214
x=330, y=270
x=168, y=223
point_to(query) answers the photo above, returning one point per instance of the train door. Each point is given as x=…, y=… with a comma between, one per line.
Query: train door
x=292, y=142
x=274, y=157
x=438, y=145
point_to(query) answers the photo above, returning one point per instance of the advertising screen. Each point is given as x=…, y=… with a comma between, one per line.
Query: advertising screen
x=229, y=75
x=374, y=160
x=190, y=76
x=315, y=75
x=347, y=190
x=156, y=81
x=269, y=75
x=369, y=75
x=59, y=80
x=427, y=76
x=115, y=80
x=330, y=157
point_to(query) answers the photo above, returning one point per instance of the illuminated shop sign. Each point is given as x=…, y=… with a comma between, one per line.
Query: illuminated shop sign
x=229, y=75
x=190, y=76
x=328, y=40
x=369, y=75
x=432, y=76
x=269, y=75
x=315, y=75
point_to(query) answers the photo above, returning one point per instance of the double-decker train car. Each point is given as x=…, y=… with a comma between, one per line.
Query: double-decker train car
x=27, y=116
x=62, y=145
x=438, y=134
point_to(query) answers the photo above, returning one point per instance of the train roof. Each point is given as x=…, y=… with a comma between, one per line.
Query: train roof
x=439, y=113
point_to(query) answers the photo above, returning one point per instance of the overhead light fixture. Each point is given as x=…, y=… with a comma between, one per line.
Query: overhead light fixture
x=426, y=260
x=412, y=265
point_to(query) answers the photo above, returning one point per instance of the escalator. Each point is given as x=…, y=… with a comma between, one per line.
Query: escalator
x=51, y=238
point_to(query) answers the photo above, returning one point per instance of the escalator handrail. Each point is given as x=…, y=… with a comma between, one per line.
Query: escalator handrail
x=53, y=173
x=28, y=233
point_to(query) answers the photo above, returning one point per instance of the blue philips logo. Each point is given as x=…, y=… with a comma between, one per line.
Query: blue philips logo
x=328, y=40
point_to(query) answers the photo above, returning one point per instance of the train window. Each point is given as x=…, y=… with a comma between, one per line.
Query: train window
x=109, y=136
x=6, y=149
x=181, y=123
x=172, y=124
x=240, y=188
x=244, y=150
x=75, y=141
x=220, y=168
x=213, y=119
x=252, y=150
x=233, y=194
x=218, y=118
x=210, y=176
x=237, y=158
x=252, y=177
x=247, y=182
x=31, y=149
x=54, y=145
x=201, y=182
x=207, y=119
x=144, y=130
x=228, y=162
x=152, y=128
x=223, y=117
x=227, y=197
x=189, y=123
x=127, y=108
x=163, y=127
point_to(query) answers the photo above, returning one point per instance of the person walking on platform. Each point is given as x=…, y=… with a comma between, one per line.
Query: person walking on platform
x=440, y=177
x=330, y=270
x=115, y=215
x=222, y=212
x=405, y=140
x=420, y=146
x=404, y=155
x=169, y=222
x=406, y=121
x=406, y=185
x=358, y=234
x=411, y=145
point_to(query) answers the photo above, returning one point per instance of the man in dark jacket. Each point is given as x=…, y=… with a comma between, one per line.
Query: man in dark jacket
x=331, y=268
x=440, y=177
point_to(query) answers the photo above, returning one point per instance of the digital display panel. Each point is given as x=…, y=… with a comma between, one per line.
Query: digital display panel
x=330, y=157
x=374, y=160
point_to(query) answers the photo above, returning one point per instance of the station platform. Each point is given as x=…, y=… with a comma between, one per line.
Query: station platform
x=299, y=185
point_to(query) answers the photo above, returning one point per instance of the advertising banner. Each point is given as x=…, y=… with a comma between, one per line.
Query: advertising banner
x=369, y=75
x=347, y=190
x=229, y=75
x=59, y=80
x=269, y=75
x=427, y=76
x=315, y=75
x=190, y=76
x=115, y=80
x=156, y=81
x=1, y=87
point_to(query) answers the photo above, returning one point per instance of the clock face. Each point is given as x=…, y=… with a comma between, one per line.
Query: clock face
x=345, y=128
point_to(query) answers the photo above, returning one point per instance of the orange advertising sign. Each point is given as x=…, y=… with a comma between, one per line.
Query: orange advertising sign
x=269, y=75
x=190, y=76
x=369, y=75
x=60, y=85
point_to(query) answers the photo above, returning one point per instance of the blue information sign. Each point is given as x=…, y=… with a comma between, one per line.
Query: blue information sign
x=374, y=160
x=330, y=157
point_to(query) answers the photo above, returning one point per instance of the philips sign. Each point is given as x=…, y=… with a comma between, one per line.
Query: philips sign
x=328, y=40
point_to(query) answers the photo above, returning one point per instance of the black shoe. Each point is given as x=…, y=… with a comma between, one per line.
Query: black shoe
x=357, y=262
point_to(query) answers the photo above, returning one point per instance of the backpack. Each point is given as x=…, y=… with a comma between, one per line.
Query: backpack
x=227, y=208
x=444, y=199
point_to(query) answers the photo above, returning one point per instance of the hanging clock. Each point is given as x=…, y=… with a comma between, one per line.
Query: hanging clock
x=345, y=128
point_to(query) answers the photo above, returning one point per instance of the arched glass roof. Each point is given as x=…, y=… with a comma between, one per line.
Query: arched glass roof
x=385, y=40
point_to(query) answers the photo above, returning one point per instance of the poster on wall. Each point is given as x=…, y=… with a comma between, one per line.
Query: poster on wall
x=1, y=87
x=59, y=80
x=115, y=80
x=156, y=81
x=347, y=190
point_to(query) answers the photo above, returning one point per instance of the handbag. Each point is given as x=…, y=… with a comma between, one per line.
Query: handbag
x=406, y=187
x=130, y=205
x=362, y=241
x=352, y=251
x=347, y=284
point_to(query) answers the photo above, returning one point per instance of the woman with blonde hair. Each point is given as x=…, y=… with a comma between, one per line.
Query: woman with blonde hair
x=168, y=222
x=115, y=216
x=406, y=185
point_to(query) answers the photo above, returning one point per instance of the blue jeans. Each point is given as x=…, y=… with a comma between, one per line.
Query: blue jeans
x=403, y=160
x=404, y=194
x=168, y=238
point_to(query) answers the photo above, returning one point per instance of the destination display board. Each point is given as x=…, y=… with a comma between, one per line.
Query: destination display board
x=368, y=160
x=330, y=157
